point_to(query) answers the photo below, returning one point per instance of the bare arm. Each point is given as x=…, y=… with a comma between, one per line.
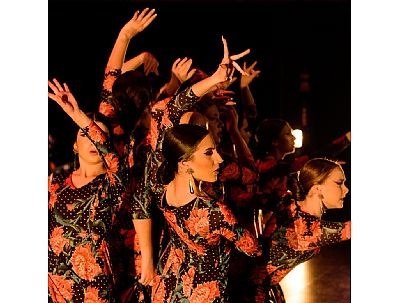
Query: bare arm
x=137, y=24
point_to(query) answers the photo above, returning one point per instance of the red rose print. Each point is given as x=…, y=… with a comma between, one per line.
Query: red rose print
x=300, y=226
x=96, y=133
x=346, y=232
x=228, y=215
x=187, y=280
x=52, y=200
x=84, y=264
x=205, y=293
x=60, y=289
x=57, y=240
x=248, y=243
x=264, y=166
x=296, y=241
x=226, y=233
x=106, y=109
x=249, y=176
x=108, y=82
x=158, y=291
x=230, y=172
x=92, y=296
x=198, y=222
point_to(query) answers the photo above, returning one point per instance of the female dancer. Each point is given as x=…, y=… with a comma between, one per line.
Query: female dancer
x=296, y=232
x=193, y=265
x=82, y=207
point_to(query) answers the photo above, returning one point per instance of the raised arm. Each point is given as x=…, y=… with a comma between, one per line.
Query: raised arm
x=249, y=105
x=241, y=149
x=150, y=63
x=223, y=73
x=136, y=25
x=180, y=73
x=63, y=96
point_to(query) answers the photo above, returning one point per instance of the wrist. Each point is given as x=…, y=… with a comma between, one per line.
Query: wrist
x=124, y=37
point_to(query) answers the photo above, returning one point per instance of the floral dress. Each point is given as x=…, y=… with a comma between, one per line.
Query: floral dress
x=125, y=240
x=81, y=258
x=290, y=238
x=193, y=266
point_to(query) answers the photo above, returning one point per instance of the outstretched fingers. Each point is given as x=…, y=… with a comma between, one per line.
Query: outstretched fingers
x=238, y=56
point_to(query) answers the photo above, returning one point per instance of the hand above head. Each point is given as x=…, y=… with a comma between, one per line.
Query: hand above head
x=348, y=136
x=228, y=64
x=231, y=118
x=180, y=70
x=245, y=80
x=150, y=63
x=138, y=23
x=66, y=100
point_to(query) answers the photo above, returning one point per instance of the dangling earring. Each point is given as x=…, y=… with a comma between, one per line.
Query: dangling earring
x=76, y=159
x=190, y=172
x=321, y=204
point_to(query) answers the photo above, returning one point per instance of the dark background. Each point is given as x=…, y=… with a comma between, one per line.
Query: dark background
x=287, y=38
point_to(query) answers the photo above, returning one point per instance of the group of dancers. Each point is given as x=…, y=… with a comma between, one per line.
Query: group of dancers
x=171, y=201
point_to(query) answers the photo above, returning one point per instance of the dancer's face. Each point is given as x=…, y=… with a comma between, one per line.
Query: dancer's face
x=334, y=190
x=87, y=151
x=205, y=161
x=285, y=142
x=215, y=124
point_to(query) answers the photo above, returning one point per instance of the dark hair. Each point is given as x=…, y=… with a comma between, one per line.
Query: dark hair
x=203, y=104
x=156, y=82
x=132, y=94
x=96, y=117
x=315, y=171
x=267, y=131
x=179, y=143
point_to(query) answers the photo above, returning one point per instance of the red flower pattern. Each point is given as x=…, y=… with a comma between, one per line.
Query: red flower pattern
x=205, y=292
x=60, y=289
x=229, y=217
x=92, y=296
x=108, y=82
x=84, y=264
x=106, y=109
x=231, y=171
x=198, y=222
x=96, y=133
x=248, y=243
x=346, y=232
x=57, y=240
x=188, y=281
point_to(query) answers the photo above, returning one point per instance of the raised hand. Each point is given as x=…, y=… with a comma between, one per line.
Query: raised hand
x=138, y=23
x=228, y=65
x=150, y=63
x=66, y=100
x=231, y=118
x=245, y=80
x=180, y=69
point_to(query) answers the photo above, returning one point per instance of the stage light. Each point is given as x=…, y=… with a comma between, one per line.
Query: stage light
x=298, y=142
